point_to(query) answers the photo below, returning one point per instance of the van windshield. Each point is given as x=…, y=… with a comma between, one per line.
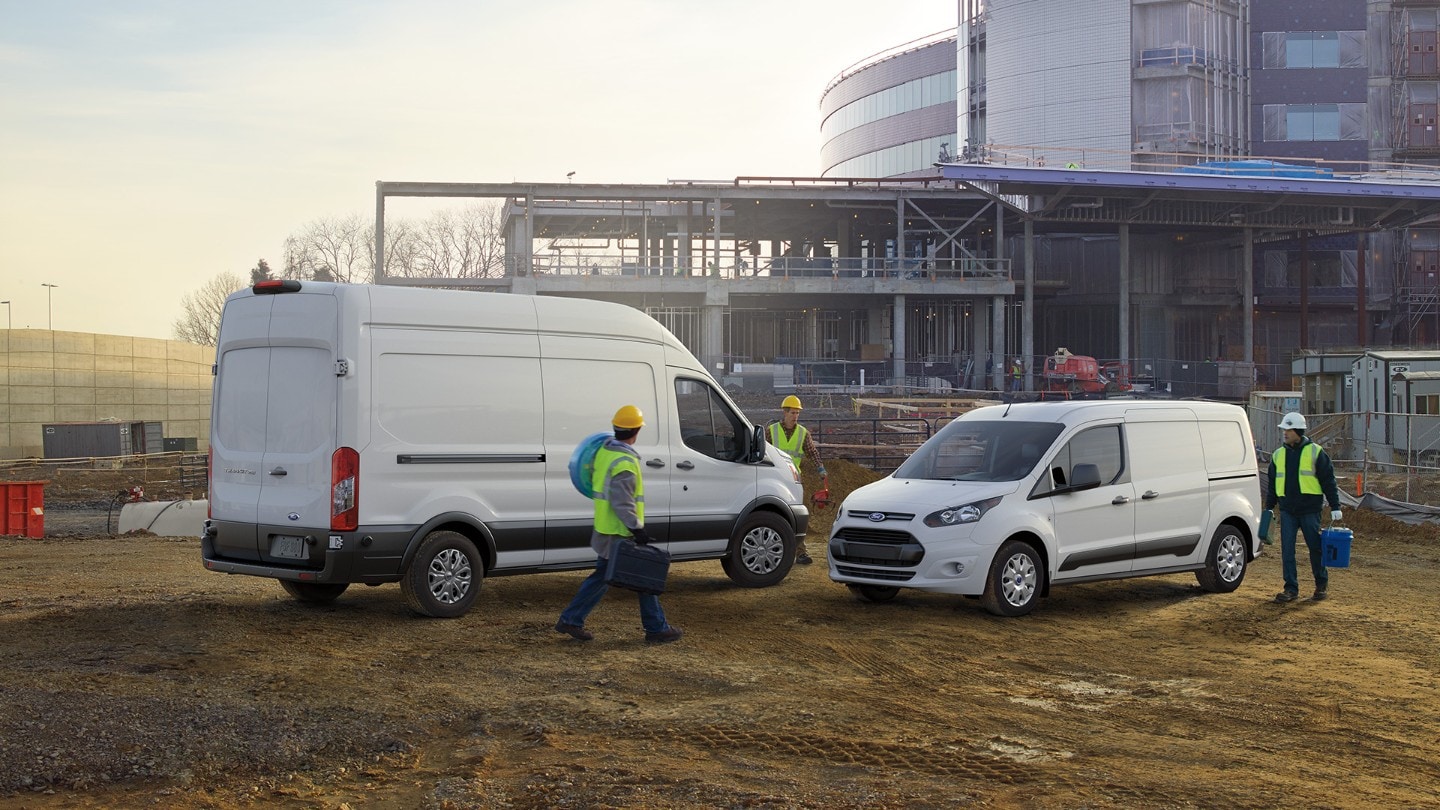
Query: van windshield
x=981, y=450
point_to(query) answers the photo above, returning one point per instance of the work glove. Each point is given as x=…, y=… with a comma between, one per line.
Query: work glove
x=641, y=538
x=1334, y=515
x=822, y=469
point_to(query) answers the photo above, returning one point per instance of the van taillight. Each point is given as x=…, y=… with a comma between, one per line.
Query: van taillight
x=344, y=490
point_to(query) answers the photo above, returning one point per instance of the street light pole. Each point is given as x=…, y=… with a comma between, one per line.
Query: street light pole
x=49, y=307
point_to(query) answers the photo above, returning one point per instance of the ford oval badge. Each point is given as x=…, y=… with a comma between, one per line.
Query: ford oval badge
x=293, y=516
x=876, y=517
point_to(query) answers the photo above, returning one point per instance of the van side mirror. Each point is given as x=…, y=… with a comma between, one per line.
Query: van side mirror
x=756, y=451
x=1084, y=476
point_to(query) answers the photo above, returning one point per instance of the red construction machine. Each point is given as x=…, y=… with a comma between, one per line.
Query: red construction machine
x=1072, y=376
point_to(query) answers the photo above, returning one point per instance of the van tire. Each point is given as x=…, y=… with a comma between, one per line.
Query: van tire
x=761, y=552
x=444, y=576
x=873, y=593
x=1225, y=563
x=314, y=593
x=1017, y=578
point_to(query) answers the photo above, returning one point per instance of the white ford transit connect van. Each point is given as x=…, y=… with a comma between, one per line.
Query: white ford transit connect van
x=1008, y=500
x=373, y=434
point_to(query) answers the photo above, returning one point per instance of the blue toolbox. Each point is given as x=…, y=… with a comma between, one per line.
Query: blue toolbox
x=636, y=567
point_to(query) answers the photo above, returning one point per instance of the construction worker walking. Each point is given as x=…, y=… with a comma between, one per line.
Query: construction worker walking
x=619, y=513
x=792, y=438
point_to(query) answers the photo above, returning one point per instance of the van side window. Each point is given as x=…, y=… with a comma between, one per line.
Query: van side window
x=707, y=424
x=1099, y=446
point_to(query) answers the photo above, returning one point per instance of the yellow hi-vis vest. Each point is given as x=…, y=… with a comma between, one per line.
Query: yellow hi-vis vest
x=608, y=463
x=1309, y=484
x=793, y=446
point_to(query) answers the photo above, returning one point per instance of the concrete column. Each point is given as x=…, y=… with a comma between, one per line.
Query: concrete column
x=897, y=340
x=1027, y=312
x=713, y=349
x=1247, y=285
x=379, y=236
x=1124, y=293
x=980, y=339
x=997, y=339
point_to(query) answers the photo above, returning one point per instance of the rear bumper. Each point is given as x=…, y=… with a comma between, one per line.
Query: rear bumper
x=367, y=556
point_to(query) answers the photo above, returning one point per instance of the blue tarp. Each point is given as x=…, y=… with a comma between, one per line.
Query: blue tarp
x=1258, y=168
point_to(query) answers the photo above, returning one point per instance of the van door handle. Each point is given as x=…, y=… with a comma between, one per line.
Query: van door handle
x=1150, y=495
x=686, y=465
x=1119, y=499
x=655, y=462
x=279, y=471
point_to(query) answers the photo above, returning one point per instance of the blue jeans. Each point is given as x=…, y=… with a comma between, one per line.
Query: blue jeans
x=652, y=618
x=1309, y=524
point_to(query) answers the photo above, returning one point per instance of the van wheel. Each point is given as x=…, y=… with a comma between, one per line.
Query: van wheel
x=314, y=593
x=444, y=577
x=1016, y=580
x=873, y=593
x=1225, y=564
x=760, y=552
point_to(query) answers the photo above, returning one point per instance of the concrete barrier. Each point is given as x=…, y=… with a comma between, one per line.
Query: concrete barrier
x=165, y=518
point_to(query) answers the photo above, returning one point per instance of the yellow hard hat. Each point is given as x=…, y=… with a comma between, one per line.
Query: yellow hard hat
x=792, y=401
x=628, y=418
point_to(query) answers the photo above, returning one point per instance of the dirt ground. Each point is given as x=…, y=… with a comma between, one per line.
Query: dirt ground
x=129, y=676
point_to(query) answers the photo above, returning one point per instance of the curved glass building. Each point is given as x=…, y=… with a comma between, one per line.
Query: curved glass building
x=892, y=114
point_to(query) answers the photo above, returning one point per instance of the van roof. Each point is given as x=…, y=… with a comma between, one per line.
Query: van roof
x=1070, y=411
x=471, y=308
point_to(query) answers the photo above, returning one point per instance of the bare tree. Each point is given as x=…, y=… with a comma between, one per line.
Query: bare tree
x=340, y=249
x=467, y=243
x=200, y=322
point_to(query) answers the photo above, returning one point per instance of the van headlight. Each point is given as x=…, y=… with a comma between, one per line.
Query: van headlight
x=965, y=513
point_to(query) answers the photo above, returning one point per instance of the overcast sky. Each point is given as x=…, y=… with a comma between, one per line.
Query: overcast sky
x=147, y=146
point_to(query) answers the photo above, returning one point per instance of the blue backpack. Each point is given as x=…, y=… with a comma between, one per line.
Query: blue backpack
x=582, y=462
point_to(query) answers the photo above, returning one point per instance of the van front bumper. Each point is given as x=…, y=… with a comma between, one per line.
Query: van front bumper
x=898, y=559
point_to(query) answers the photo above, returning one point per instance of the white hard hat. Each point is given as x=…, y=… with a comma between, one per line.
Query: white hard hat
x=1293, y=421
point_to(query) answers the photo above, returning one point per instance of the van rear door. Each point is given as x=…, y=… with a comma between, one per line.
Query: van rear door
x=274, y=424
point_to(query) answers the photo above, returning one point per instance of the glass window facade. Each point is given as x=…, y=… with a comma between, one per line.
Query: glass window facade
x=912, y=95
x=1315, y=122
x=1295, y=50
x=907, y=157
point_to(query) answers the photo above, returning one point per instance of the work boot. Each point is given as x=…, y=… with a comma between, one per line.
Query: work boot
x=574, y=631
x=1286, y=596
x=803, y=559
x=665, y=636
x=1319, y=595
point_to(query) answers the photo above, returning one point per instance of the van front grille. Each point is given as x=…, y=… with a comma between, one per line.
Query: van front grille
x=888, y=576
x=865, y=534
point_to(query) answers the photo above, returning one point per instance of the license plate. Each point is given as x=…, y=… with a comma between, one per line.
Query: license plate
x=284, y=545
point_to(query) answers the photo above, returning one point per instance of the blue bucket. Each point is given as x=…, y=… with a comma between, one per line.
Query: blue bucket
x=1335, y=547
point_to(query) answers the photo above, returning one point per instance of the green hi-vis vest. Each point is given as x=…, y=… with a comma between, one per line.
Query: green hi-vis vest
x=607, y=464
x=1309, y=484
x=794, y=446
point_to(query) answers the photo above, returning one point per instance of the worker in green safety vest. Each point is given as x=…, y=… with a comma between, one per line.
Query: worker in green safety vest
x=792, y=438
x=1302, y=479
x=619, y=515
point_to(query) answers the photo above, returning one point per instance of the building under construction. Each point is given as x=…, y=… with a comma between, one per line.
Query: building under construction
x=935, y=283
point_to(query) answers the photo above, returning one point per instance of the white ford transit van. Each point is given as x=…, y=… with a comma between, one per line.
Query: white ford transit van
x=1008, y=500
x=373, y=434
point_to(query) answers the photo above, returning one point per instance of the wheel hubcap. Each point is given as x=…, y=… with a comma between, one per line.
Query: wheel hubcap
x=449, y=576
x=1018, y=580
x=1230, y=559
x=762, y=550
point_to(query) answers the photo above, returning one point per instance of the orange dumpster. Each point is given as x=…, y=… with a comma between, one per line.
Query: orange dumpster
x=24, y=514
